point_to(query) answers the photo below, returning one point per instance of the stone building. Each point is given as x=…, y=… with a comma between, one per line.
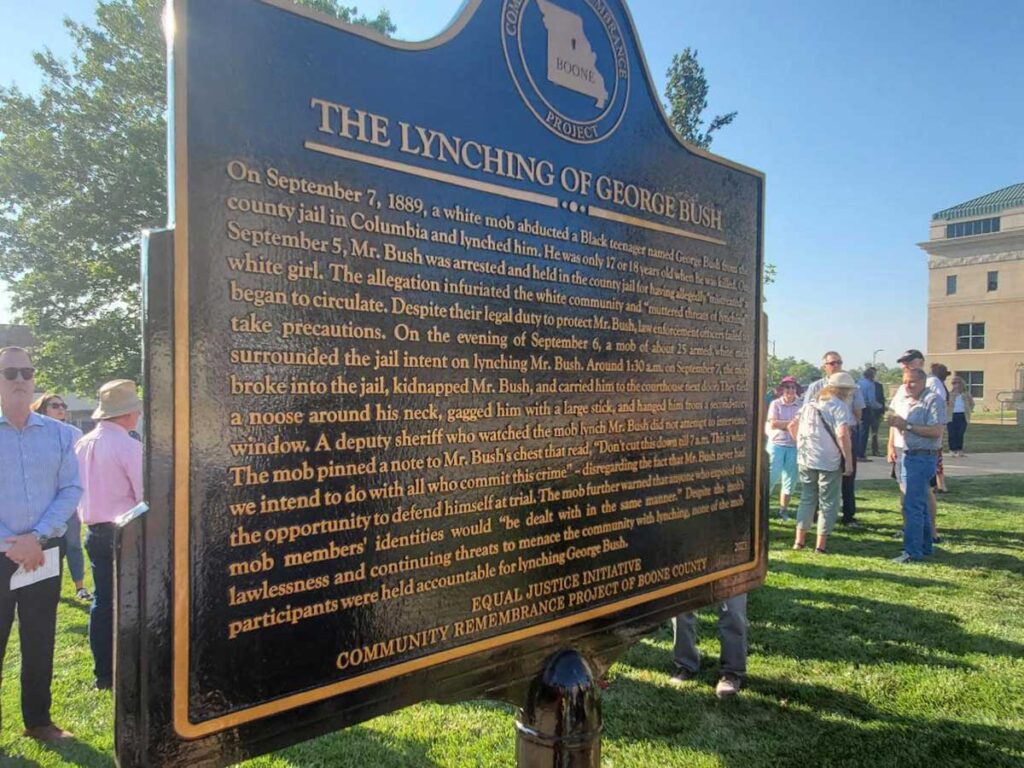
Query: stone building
x=976, y=293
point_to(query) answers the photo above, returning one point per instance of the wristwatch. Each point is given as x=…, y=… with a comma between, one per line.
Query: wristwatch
x=40, y=538
x=910, y=427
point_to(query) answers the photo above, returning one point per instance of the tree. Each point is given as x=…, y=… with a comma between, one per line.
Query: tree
x=350, y=13
x=81, y=173
x=687, y=94
x=801, y=370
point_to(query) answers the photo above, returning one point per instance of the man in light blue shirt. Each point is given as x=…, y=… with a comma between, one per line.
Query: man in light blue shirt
x=39, y=489
x=919, y=417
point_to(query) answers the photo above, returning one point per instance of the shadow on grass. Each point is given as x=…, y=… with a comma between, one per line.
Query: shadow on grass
x=359, y=748
x=990, y=539
x=835, y=627
x=15, y=762
x=75, y=604
x=809, y=625
x=776, y=722
x=80, y=753
x=986, y=561
x=72, y=751
x=816, y=571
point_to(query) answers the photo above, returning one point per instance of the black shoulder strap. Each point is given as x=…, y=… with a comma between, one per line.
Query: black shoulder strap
x=828, y=428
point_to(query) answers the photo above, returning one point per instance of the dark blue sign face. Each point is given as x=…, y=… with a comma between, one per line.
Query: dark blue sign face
x=465, y=354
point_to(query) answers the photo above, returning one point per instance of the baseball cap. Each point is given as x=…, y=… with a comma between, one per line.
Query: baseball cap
x=910, y=354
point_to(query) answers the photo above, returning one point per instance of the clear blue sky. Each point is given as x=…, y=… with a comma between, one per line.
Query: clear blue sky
x=866, y=117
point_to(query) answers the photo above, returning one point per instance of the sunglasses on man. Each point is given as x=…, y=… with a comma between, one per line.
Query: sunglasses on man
x=833, y=362
x=12, y=373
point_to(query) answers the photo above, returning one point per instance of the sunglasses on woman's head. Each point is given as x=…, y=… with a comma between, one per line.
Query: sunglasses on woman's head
x=12, y=373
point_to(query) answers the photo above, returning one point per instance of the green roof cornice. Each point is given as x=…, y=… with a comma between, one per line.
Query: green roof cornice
x=986, y=205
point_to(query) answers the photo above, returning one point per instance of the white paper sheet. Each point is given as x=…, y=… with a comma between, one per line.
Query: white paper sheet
x=22, y=578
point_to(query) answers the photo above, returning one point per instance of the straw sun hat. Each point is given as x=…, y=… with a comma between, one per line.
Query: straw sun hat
x=117, y=398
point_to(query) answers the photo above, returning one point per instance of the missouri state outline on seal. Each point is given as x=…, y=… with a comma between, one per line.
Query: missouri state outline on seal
x=569, y=62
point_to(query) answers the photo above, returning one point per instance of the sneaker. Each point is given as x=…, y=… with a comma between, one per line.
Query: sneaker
x=784, y=515
x=682, y=676
x=728, y=685
x=83, y=594
x=902, y=559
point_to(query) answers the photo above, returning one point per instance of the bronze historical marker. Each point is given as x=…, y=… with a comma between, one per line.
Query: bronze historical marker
x=453, y=363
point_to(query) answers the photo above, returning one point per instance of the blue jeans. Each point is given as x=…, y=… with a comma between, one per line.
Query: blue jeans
x=73, y=542
x=860, y=439
x=99, y=545
x=918, y=470
x=732, y=632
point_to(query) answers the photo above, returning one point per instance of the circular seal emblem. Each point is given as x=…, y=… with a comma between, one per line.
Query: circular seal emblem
x=568, y=60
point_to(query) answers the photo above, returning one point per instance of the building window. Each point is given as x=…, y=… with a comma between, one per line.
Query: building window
x=970, y=336
x=993, y=281
x=974, y=381
x=950, y=285
x=976, y=227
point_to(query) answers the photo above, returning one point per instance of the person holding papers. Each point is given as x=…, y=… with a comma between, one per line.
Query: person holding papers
x=110, y=462
x=39, y=489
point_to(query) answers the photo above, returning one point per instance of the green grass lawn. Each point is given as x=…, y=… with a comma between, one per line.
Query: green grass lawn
x=854, y=662
x=992, y=438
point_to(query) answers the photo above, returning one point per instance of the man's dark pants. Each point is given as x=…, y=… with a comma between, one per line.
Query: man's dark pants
x=99, y=545
x=872, y=422
x=849, y=500
x=36, y=607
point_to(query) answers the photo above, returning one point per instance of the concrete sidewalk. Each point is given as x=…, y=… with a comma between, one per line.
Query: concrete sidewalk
x=971, y=465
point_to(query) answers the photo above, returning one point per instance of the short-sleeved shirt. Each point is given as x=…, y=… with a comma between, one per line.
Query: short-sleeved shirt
x=935, y=384
x=815, y=448
x=927, y=411
x=779, y=410
x=898, y=406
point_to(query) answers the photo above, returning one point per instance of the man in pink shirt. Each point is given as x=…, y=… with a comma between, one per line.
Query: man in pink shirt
x=110, y=466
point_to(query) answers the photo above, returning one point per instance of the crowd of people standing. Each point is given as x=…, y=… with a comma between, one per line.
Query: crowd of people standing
x=817, y=436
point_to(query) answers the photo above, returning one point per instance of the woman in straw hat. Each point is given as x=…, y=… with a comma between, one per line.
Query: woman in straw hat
x=822, y=432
